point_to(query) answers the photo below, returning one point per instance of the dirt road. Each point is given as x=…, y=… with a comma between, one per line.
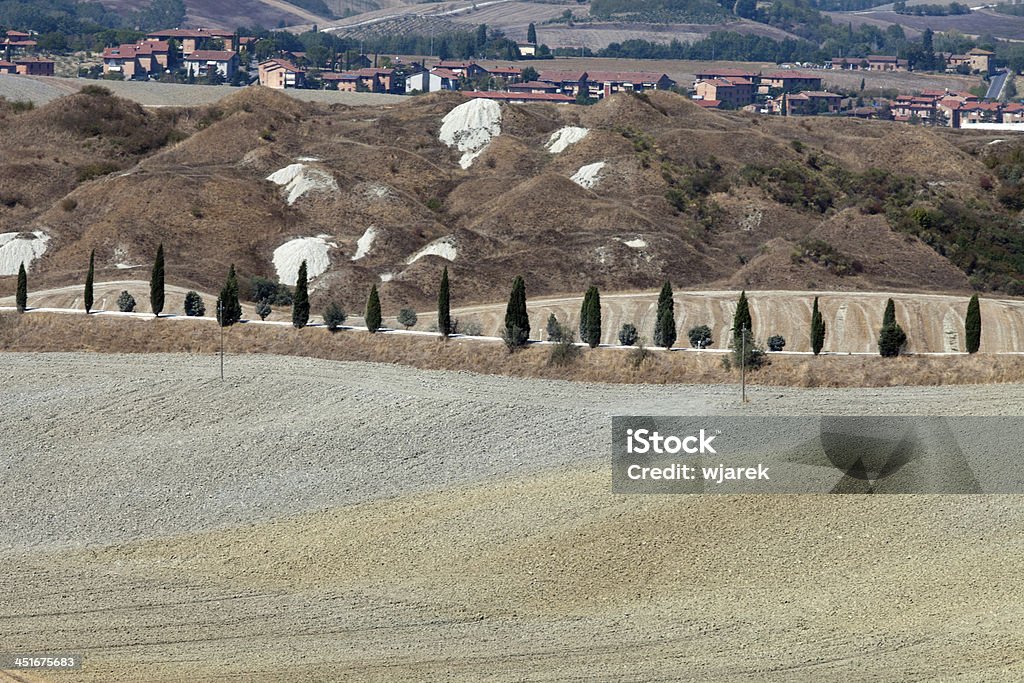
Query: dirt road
x=309, y=520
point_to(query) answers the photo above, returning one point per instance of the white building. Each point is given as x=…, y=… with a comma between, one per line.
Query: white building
x=423, y=81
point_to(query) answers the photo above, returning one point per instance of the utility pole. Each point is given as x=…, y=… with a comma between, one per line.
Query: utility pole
x=743, y=364
x=220, y=321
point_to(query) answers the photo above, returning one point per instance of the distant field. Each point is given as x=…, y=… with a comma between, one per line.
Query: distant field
x=41, y=90
x=976, y=23
x=231, y=15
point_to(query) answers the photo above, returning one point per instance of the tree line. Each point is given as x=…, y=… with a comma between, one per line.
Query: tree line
x=744, y=350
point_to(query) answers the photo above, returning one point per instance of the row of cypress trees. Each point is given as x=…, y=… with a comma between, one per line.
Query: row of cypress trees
x=891, y=339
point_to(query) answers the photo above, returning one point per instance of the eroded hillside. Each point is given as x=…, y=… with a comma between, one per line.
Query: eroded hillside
x=623, y=194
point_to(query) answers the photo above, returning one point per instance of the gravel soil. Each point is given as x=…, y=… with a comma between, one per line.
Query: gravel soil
x=314, y=520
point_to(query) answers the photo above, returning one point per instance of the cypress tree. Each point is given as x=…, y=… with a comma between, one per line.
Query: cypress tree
x=591, y=331
x=742, y=320
x=21, y=296
x=156, y=283
x=373, y=310
x=300, y=302
x=531, y=34
x=667, y=326
x=444, y=311
x=517, y=320
x=665, y=302
x=889, y=317
x=972, y=325
x=89, y=281
x=229, y=309
x=584, y=312
x=817, y=329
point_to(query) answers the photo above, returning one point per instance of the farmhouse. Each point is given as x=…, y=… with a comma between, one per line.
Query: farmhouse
x=886, y=63
x=606, y=83
x=138, y=60
x=190, y=40
x=423, y=81
x=788, y=81
x=17, y=42
x=210, y=63
x=280, y=74
x=34, y=66
x=569, y=82
x=732, y=93
x=8, y=67
x=463, y=69
x=807, y=102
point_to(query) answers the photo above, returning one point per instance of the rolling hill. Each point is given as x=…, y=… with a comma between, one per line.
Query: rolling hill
x=662, y=190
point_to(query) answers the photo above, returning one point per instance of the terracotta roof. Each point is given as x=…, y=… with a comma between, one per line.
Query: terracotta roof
x=211, y=56
x=1013, y=108
x=4, y=64
x=445, y=73
x=20, y=43
x=563, y=76
x=129, y=51
x=533, y=84
x=274, y=64
x=532, y=96
x=18, y=34
x=505, y=70
x=371, y=72
x=707, y=104
x=335, y=76
x=821, y=93
x=447, y=64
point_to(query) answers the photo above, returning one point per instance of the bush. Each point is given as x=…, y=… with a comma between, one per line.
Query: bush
x=265, y=289
x=334, y=316
x=263, y=309
x=628, y=335
x=776, y=342
x=101, y=168
x=554, y=329
x=68, y=204
x=700, y=337
x=639, y=355
x=407, y=317
x=564, y=352
x=125, y=302
x=98, y=90
x=194, y=305
x=472, y=329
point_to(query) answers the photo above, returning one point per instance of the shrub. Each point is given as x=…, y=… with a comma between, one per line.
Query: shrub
x=565, y=351
x=472, y=328
x=263, y=309
x=68, y=204
x=95, y=170
x=97, y=90
x=554, y=328
x=517, y=321
x=628, y=335
x=700, y=337
x=407, y=317
x=776, y=342
x=194, y=305
x=639, y=355
x=334, y=316
x=264, y=289
x=125, y=302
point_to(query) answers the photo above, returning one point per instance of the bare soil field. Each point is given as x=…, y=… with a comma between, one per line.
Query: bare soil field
x=172, y=527
x=231, y=15
x=979, y=22
x=41, y=90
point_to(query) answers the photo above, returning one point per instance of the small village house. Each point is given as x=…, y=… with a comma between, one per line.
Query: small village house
x=206, y=63
x=34, y=66
x=731, y=93
x=280, y=74
x=137, y=60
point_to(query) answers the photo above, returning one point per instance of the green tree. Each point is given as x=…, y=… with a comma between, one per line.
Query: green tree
x=666, y=325
x=531, y=34
x=373, y=310
x=744, y=351
x=666, y=302
x=194, y=305
x=481, y=37
x=817, y=329
x=156, y=283
x=628, y=335
x=700, y=337
x=334, y=316
x=21, y=296
x=517, y=320
x=125, y=302
x=300, y=303
x=529, y=74
x=889, y=317
x=590, y=318
x=89, y=282
x=444, y=310
x=972, y=325
x=229, y=309
x=263, y=309
x=742, y=320
x=407, y=317
x=554, y=328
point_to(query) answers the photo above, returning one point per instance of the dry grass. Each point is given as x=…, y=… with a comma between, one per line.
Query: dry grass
x=43, y=332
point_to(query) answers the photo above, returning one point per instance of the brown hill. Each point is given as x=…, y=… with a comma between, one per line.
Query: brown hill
x=701, y=198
